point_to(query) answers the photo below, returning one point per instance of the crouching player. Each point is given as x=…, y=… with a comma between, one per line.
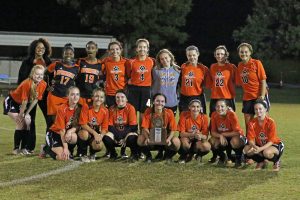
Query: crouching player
x=62, y=135
x=122, y=127
x=94, y=125
x=226, y=133
x=263, y=142
x=158, y=110
x=193, y=130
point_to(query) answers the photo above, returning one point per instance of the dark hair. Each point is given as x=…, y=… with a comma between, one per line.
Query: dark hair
x=33, y=45
x=91, y=42
x=159, y=94
x=68, y=46
x=246, y=45
x=115, y=42
x=224, y=100
x=226, y=52
x=262, y=102
x=121, y=91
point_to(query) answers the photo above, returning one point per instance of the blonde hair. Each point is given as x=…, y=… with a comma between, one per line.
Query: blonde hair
x=226, y=52
x=142, y=40
x=173, y=63
x=33, y=86
x=246, y=45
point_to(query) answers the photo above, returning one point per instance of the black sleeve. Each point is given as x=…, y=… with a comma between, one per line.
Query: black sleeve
x=24, y=70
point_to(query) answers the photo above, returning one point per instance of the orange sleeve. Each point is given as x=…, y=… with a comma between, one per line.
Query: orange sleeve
x=260, y=71
x=41, y=89
x=83, y=118
x=213, y=122
x=26, y=90
x=132, y=116
x=59, y=122
x=251, y=132
x=235, y=123
x=181, y=123
x=171, y=120
x=205, y=125
x=206, y=77
x=51, y=67
x=272, y=133
x=111, y=117
x=146, y=121
x=104, y=126
x=237, y=76
x=128, y=68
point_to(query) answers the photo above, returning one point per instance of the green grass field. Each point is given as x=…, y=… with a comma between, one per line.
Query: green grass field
x=33, y=178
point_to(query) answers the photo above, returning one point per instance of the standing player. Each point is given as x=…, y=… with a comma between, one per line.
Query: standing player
x=193, y=76
x=138, y=71
x=62, y=135
x=252, y=77
x=39, y=53
x=89, y=73
x=94, y=125
x=222, y=84
x=19, y=104
x=158, y=110
x=122, y=127
x=113, y=69
x=165, y=78
x=263, y=142
x=64, y=73
x=193, y=130
x=226, y=132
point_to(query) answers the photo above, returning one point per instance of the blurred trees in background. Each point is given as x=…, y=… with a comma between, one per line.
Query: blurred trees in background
x=157, y=20
x=273, y=29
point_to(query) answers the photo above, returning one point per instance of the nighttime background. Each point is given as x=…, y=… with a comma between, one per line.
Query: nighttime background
x=210, y=23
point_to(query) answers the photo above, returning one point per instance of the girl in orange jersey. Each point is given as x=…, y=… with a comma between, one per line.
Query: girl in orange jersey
x=122, y=127
x=252, y=77
x=90, y=74
x=20, y=102
x=172, y=143
x=222, y=84
x=39, y=53
x=193, y=77
x=139, y=75
x=226, y=132
x=113, y=69
x=64, y=73
x=62, y=135
x=193, y=130
x=94, y=125
x=263, y=142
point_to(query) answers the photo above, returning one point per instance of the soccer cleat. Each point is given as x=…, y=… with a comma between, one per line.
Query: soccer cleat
x=16, y=152
x=124, y=156
x=85, y=159
x=25, y=152
x=159, y=156
x=261, y=165
x=276, y=166
x=93, y=157
x=213, y=159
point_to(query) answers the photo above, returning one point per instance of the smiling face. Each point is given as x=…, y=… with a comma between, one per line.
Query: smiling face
x=115, y=51
x=121, y=100
x=221, y=108
x=192, y=56
x=165, y=59
x=142, y=49
x=68, y=55
x=260, y=111
x=220, y=55
x=40, y=49
x=38, y=75
x=195, y=108
x=98, y=98
x=73, y=96
x=159, y=103
x=244, y=53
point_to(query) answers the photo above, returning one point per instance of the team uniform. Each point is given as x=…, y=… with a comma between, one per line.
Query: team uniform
x=229, y=123
x=222, y=84
x=139, y=82
x=95, y=120
x=249, y=76
x=64, y=77
x=165, y=81
x=13, y=102
x=192, y=81
x=115, y=78
x=89, y=76
x=64, y=121
x=261, y=135
x=121, y=122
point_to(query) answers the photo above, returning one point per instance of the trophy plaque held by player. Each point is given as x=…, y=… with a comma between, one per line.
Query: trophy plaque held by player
x=158, y=133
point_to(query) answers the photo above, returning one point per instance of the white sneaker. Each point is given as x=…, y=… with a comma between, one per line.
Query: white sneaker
x=93, y=157
x=25, y=152
x=16, y=151
x=85, y=159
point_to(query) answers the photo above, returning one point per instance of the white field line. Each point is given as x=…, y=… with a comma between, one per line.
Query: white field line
x=73, y=165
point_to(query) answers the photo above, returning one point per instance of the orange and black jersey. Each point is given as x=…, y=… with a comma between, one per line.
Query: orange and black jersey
x=64, y=118
x=192, y=79
x=139, y=71
x=64, y=77
x=188, y=124
x=96, y=120
x=89, y=74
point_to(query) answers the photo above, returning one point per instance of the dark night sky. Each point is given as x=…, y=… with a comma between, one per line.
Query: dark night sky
x=209, y=24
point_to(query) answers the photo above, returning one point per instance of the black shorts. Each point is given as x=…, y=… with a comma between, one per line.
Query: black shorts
x=248, y=106
x=110, y=100
x=138, y=96
x=53, y=139
x=213, y=102
x=280, y=148
x=9, y=105
x=185, y=100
